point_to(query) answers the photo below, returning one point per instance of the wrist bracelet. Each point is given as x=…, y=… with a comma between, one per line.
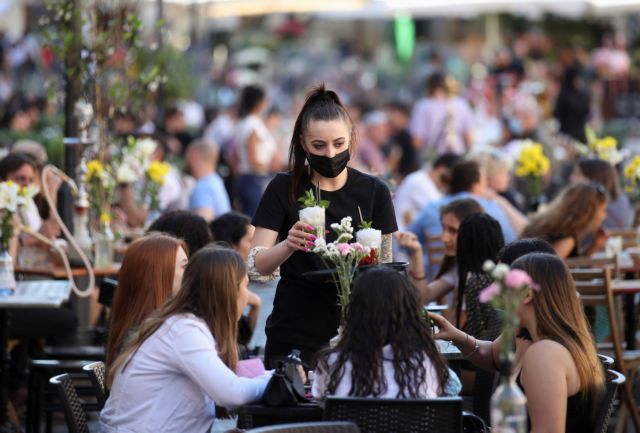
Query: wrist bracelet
x=475, y=348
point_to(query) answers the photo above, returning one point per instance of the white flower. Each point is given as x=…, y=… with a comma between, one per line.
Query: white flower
x=314, y=216
x=500, y=271
x=9, y=196
x=344, y=237
x=371, y=238
x=488, y=266
x=129, y=171
x=320, y=246
x=146, y=147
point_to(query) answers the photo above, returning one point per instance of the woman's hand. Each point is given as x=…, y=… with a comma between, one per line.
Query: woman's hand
x=446, y=331
x=299, y=238
x=409, y=241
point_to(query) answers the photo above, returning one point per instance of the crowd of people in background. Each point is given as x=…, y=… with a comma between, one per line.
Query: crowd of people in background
x=440, y=162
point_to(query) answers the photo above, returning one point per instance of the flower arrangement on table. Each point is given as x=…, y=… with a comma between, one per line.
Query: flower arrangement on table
x=507, y=292
x=531, y=165
x=605, y=148
x=12, y=199
x=155, y=177
x=632, y=175
x=101, y=185
x=343, y=255
x=371, y=238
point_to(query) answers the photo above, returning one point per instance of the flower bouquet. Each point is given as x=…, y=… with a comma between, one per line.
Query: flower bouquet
x=156, y=174
x=511, y=286
x=313, y=212
x=12, y=199
x=605, y=148
x=371, y=238
x=343, y=255
x=531, y=166
x=632, y=175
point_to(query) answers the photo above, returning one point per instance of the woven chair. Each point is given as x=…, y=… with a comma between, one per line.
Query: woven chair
x=96, y=372
x=614, y=380
x=309, y=427
x=74, y=414
x=381, y=415
x=594, y=286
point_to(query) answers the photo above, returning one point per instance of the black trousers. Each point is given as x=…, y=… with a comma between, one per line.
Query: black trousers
x=275, y=351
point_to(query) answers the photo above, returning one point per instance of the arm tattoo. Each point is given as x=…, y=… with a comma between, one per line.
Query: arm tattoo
x=386, y=255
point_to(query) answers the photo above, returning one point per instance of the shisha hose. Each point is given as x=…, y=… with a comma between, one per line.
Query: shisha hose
x=85, y=260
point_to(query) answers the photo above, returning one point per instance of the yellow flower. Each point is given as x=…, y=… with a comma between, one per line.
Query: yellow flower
x=105, y=218
x=94, y=169
x=532, y=161
x=158, y=171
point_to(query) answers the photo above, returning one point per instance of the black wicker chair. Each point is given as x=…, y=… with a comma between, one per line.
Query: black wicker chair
x=381, y=415
x=96, y=373
x=309, y=427
x=614, y=380
x=74, y=414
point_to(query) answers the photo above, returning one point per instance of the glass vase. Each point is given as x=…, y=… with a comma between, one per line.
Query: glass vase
x=7, y=276
x=104, y=241
x=508, y=404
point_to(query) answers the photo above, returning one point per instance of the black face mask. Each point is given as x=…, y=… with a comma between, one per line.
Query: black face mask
x=329, y=167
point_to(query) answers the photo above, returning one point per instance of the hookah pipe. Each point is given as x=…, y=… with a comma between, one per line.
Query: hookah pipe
x=65, y=261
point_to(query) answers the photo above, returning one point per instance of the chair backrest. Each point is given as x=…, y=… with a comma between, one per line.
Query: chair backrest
x=74, y=414
x=594, y=263
x=614, y=380
x=435, y=253
x=606, y=361
x=378, y=415
x=629, y=236
x=594, y=287
x=96, y=372
x=309, y=427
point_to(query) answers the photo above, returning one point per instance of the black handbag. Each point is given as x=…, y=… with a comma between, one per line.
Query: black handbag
x=285, y=387
x=471, y=423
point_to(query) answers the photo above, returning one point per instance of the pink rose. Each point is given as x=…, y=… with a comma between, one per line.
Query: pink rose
x=517, y=278
x=344, y=249
x=488, y=294
x=360, y=248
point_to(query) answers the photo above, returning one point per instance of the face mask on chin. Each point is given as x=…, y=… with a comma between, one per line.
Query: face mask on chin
x=329, y=167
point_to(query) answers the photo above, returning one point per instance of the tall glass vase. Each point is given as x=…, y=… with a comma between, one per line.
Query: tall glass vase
x=7, y=276
x=508, y=404
x=104, y=241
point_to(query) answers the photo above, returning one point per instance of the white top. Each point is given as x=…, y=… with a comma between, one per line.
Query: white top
x=266, y=146
x=429, y=389
x=413, y=194
x=172, y=381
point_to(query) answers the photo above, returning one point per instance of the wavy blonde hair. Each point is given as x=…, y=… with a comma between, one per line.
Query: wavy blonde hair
x=569, y=214
x=209, y=290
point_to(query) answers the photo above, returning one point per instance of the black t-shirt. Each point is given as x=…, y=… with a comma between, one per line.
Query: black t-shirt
x=307, y=312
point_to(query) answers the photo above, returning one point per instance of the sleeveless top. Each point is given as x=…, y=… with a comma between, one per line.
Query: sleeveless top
x=580, y=418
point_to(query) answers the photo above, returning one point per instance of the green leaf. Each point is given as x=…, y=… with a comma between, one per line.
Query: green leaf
x=590, y=134
x=324, y=203
x=365, y=225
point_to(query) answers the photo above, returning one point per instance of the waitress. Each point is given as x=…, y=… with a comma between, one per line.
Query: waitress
x=305, y=313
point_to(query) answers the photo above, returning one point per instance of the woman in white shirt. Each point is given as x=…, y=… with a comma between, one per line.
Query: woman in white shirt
x=386, y=349
x=255, y=149
x=182, y=361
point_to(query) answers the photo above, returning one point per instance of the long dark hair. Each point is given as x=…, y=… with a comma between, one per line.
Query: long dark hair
x=384, y=310
x=321, y=104
x=560, y=318
x=480, y=239
x=461, y=209
x=209, y=290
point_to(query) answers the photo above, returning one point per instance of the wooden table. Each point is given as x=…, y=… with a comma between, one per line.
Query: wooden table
x=28, y=294
x=59, y=272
